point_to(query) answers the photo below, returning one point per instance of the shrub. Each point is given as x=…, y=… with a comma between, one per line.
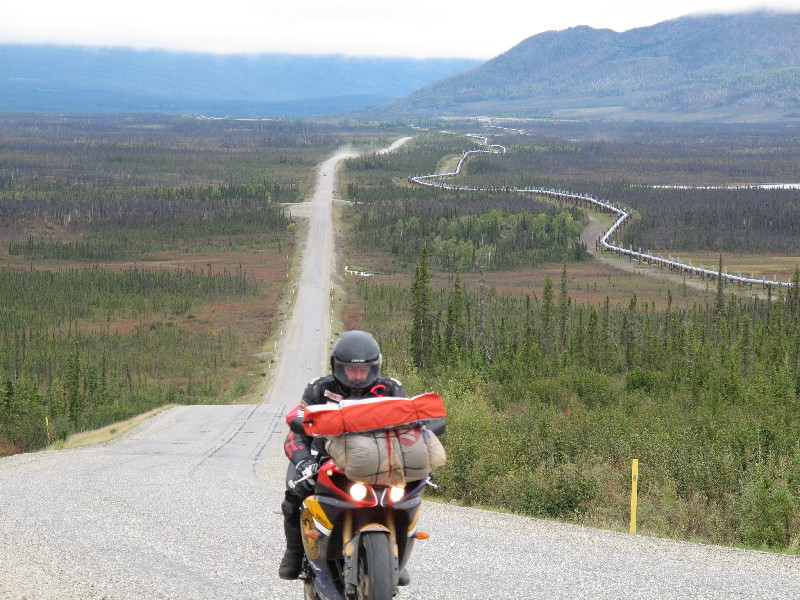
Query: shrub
x=595, y=389
x=644, y=379
x=564, y=490
x=768, y=508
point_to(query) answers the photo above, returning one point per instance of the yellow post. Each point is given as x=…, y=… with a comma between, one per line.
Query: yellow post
x=634, y=491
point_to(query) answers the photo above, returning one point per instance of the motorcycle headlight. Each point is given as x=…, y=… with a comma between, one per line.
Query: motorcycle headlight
x=396, y=494
x=358, y=491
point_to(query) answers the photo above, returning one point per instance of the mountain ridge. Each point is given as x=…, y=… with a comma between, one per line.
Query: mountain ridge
x=732, y=66
x=721, y=67
x=50, y=78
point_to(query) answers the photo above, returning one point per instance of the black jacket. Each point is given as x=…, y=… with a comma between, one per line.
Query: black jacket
x=326, y=389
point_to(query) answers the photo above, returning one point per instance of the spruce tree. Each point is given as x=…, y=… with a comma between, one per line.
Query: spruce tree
x=5, y=398
x=563, y=310
x=719, y=302
x=547, y=317
x=73, y=384
x=793, y=295
x=420, y=307
x=455, y=334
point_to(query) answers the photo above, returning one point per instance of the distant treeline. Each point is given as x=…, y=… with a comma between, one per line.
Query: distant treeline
x=60, y=199
x=115, y=152
x=599, y=154
x=467, y=232
x=135, y=236
x=736, y=220
x=419, y=156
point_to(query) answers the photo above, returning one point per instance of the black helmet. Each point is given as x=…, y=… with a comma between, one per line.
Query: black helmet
x=358, y=349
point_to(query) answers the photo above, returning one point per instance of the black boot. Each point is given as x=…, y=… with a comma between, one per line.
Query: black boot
x=292, y=561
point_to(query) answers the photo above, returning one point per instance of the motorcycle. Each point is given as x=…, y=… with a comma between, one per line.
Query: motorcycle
x=357, y=537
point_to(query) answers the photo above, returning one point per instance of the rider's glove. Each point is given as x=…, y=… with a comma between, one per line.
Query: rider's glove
x=305, y=470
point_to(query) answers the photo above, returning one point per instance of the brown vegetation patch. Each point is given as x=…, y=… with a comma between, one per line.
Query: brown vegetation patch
x=775, y=267
x=87, y=438
x=589, y=282
x=7, y=448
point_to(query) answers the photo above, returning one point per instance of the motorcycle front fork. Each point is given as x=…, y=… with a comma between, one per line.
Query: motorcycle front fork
x=350, y=549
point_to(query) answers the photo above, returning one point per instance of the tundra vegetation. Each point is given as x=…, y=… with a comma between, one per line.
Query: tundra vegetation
x=554, y=386
x=143, y=261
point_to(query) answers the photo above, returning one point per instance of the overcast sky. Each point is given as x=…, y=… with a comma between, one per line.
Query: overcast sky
x=418, y=28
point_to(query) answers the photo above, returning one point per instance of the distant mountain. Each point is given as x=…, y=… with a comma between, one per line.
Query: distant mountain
x=40, y=78
x=726, y=67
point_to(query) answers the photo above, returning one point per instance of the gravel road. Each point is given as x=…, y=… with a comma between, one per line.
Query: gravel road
x=185, y=506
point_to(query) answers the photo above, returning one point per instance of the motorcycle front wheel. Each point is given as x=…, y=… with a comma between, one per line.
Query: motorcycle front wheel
x=375, y=567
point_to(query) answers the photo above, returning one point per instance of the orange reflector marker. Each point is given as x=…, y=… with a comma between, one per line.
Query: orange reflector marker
x=421, y=535
x=312, y=533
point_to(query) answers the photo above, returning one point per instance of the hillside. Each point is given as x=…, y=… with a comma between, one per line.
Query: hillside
x=743, y=66
x=100, y=80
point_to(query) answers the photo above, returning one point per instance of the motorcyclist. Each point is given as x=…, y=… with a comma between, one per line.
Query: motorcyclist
x=355, y=373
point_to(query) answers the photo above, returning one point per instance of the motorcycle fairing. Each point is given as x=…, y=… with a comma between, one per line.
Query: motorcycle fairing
x=323, y=513
x=323, y=583
x=320, y=520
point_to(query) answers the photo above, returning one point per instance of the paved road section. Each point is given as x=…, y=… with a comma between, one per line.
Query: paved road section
x=303, y=347
x=180, y=507
x=185, y=507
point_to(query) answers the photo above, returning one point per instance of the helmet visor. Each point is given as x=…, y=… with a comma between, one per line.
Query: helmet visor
x=357, y=376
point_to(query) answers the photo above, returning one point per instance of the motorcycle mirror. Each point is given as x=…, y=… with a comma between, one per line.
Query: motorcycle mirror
x=437, y=427
x=296, y=425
